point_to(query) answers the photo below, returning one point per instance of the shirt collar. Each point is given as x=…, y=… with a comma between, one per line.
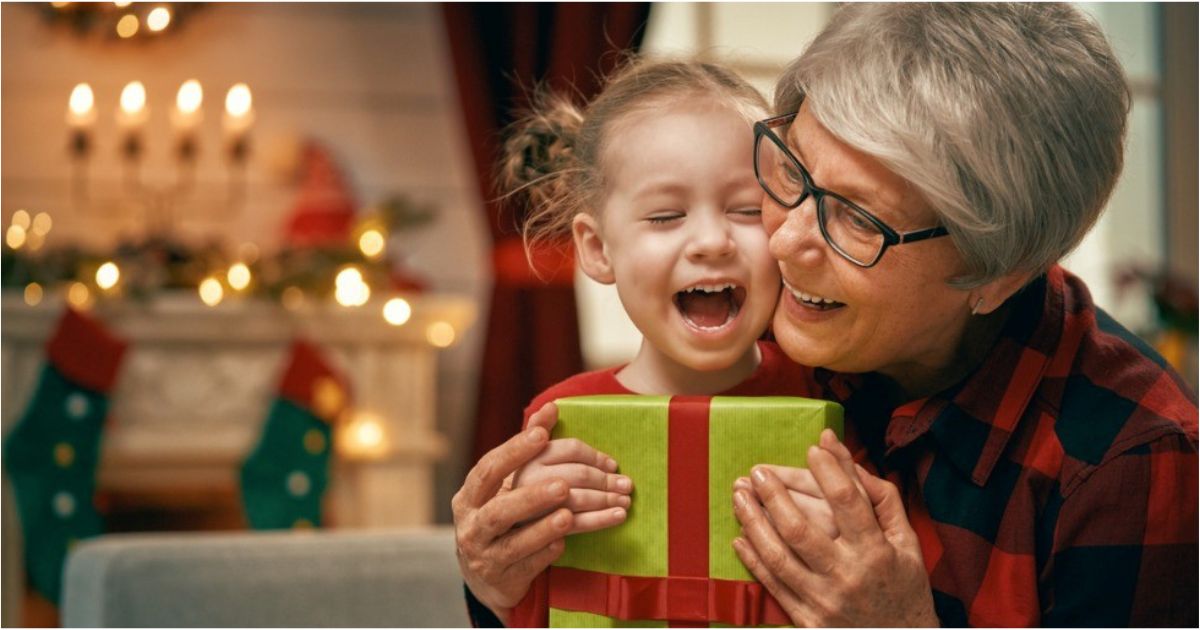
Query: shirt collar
x=974, y=420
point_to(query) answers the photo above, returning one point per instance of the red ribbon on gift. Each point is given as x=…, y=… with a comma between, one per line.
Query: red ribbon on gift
x=665, y=598
x=688, y=596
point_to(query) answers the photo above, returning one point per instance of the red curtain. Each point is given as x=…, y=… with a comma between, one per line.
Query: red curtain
x=499, y=51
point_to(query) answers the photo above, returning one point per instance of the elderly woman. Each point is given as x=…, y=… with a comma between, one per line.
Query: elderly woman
x=1014, y=457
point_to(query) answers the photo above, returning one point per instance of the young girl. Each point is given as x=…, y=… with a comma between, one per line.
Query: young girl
x=654, y=181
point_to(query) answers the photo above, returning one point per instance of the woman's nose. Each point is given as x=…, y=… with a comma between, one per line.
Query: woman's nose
x=795, y=236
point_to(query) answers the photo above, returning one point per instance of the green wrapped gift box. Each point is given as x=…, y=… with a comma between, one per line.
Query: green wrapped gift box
x=672, y=560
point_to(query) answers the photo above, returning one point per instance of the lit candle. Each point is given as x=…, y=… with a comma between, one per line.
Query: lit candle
x=81, y=109
x=239, y=110
x=132, y=113
x=187, y=115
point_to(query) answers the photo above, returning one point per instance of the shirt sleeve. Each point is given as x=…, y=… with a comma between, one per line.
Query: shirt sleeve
x=1124, y=542
x=481, y=616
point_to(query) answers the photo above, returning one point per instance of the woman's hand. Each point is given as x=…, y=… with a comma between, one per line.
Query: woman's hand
x=595, y=488
x=499, y=560
x=805, y=492
x=872, y=574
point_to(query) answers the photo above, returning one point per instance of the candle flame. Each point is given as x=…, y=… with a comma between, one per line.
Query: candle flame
x=189, y=97
x=238, y=100
x=133, y=98
x=82, y=99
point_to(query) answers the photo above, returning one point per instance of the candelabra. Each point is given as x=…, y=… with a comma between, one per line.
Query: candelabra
x=160, y=201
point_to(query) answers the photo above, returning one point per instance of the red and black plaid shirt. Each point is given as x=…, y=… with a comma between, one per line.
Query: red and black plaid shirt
x=1054, y=486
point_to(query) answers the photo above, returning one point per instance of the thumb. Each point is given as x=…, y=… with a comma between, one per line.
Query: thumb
x=545, y=417
x=889, y=508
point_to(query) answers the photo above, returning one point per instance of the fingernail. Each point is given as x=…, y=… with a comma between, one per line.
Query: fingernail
x=742, y=483
x=813, y=450
x=562, y=521
x=624, y=484
x=624, y=500
x=611, y=465
x=759, y=475
x=619, y=514
x=558, y=489
x=535, y=435
x=739, y=497
x=737, y=543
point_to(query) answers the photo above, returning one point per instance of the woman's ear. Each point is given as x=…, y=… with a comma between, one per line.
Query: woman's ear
x=989, y=297
x=590, y=248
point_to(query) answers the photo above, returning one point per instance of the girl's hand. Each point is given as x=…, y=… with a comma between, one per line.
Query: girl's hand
x=596, y=493
x=498, y=559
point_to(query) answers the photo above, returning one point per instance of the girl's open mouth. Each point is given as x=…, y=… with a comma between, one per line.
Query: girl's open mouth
x=710, y=307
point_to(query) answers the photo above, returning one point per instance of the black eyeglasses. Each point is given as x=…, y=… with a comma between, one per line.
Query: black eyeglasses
x=856, y=234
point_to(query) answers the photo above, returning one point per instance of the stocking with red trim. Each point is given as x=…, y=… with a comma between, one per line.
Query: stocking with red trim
x=284, y=478
x=52, y=453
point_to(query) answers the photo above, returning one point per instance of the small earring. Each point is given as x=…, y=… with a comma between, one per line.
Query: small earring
x=975, y=309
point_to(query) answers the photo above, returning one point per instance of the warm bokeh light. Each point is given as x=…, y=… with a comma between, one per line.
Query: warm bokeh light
x=108, y=275
x=158, y=19
x=190, y=96
x=363, y=437
x=79, y=295
x=348, y=276
x=353, y=294
x=127, y=26
x=238, y=100
x=440, y=334
x=42, y=224
x=60, y=5
x=21, y=218
x=14, y=237
x=397, y=311
x=211, y=291
x=292, y=298
x=121, y=4
x=133, y=98
x=33, y=294
x=239, y=276
x=371, y=243
x=82, y=100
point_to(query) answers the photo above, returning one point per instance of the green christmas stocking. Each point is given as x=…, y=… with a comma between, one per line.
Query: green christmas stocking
x=285, y=476
x=52, y=452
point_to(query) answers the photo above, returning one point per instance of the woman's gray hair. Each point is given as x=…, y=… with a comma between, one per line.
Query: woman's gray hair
x=1008, y=118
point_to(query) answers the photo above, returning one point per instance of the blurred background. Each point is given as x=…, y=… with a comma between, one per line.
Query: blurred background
x=292, y=285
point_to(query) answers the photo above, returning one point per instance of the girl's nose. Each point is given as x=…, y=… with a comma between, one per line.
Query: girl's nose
x=710, y=238
x=795, y=236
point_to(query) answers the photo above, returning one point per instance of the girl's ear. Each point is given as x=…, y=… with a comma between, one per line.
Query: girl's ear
x=590, y=248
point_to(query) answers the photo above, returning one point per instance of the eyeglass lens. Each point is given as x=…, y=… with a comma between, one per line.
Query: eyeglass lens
x=846, y=228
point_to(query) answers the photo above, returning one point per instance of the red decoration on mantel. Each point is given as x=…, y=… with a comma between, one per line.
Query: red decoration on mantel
x=323, y=214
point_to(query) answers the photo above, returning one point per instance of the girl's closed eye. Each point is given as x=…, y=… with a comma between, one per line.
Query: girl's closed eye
x=752, y=212
x=665, y=216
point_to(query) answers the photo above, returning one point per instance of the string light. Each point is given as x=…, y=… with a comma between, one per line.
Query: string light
x=127, y=26
x=21, y=218
x=239, y=276
x=121, y=4
x=33, y=294
x=79, y=295
x=397, y=311
x=14, y=237
x=133, y=97
x=351, y=290
x=158, y=19
x=211, y=291
x=107, y=276
x=42, y=224
x=82, y=100
x=371, y=244
x=238, y=100
x=440, y=334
